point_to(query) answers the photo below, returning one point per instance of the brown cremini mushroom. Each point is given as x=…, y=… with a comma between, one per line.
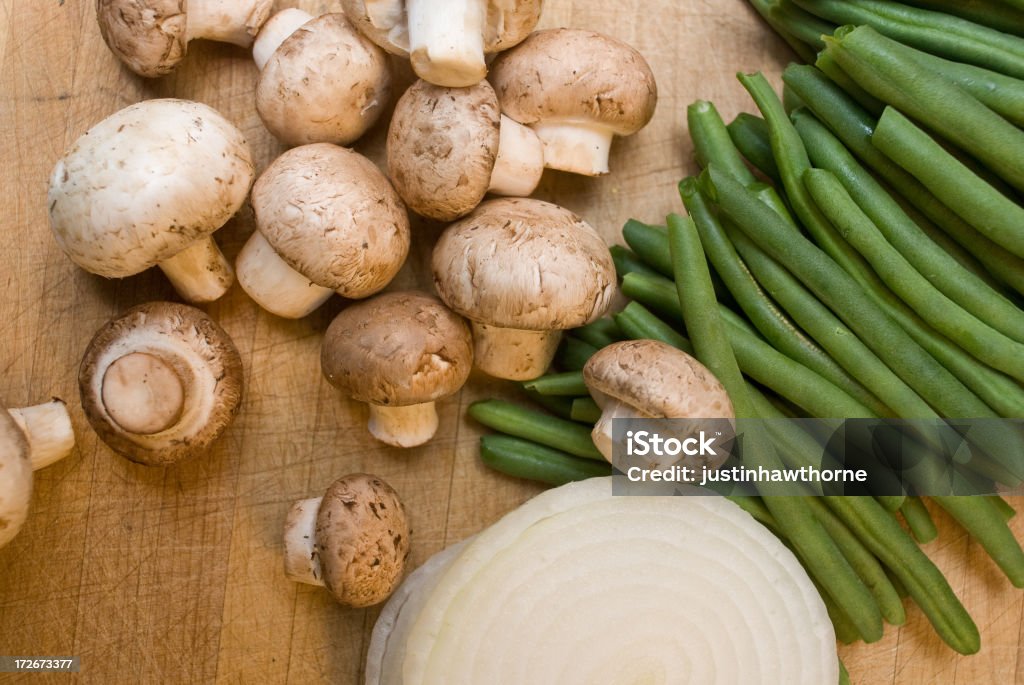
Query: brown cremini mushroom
x=521, y=271
x=398, y=352
x=30, y=439
x=576, y=89
x=148, y=186
x=321, y=81
x=151, y=36
x=327, y=220
x=160, y=383
x=354, y=540
x=637, y=379
x=448, y=147
x=446, y=40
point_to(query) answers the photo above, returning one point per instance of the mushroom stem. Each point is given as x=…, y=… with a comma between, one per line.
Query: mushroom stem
x=301, y=561
x=407, y=426
x=577, y=147
x=612, y=409
x=446, y=41
x=48, y=429
x=200, y=272
x=511, y=353
x=520, y=161
x=229, y=21
x=275, y=31
x=273, y=284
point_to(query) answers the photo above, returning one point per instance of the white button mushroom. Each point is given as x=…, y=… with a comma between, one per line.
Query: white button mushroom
x=446, y=40
x=399, y=352
x=521, y=271
x=30, y=439
x=448, y=147
x=148, y=186
x=327, y=221
x=160, y=383
x=575, y=89
x=321, y=81
x=647, y=379
x=354, y=540
x=151, y=36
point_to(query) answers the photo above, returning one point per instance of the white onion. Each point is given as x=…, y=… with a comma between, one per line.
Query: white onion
x=578, y=586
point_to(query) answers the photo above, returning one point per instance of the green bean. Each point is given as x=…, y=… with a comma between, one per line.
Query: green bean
x=749, y=133
x=803, y=51
x=919, y=520
x=790, y=100
x=526, y=459
x=897, y=583
x=599, y=333
x=657, y=293
x=846, y=632
x=805, y=27
x=934, y=32
x=902, y=82
x=626, y=260
x=992, y=13
x=565, y=383
x=573, y=353
x=985, y=523
x=756, y=508
x=585, y=410
x=844, y=675
x=559, y=406
x=1004, y=507
x=638, y=323
x=711, y=141
x=999, y=92
x=650, y=243
x=521, y=422
x=827, y=64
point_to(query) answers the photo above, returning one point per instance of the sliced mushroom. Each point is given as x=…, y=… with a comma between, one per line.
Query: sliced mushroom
x=645, y=379
x=148, y=186
x=151, y=36
x=327, y=221
x=160, y=383
x=398, y=352
x=448, y=147
x=576, y=89
x=446, y=40
x=321, y=81
x=354, y=540
x=521, y=271
x=30, y=439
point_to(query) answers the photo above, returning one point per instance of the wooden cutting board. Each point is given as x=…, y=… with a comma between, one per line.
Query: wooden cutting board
x=174, y=575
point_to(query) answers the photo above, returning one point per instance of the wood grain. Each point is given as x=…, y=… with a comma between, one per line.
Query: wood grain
x=174, y=575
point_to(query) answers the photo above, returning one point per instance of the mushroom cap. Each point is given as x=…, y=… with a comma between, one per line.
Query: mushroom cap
x=525, y=264
x=508, y=22
x=145, y=183
x=442, y=144
x=333, y=217
x=15, y=478
x=575, y=75
x=150, y=36
x=657, y=379
x=362, y=539
x=397, y=349
x=326, y=83
x=204, y=359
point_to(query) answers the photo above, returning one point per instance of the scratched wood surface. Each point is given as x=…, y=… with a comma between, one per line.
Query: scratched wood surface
x=174, y=575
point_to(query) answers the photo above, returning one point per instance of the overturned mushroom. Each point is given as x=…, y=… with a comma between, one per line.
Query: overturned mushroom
x=30, y=439
x=160, y=383
x=522, y=271
x=148, y=186
x=647, y=379
x=576, y=89
x=446, y=40
x=398, y=352
x=354, y=540
x=151, y=36
x=448, y=147
x=321, y=81
x=327, y=220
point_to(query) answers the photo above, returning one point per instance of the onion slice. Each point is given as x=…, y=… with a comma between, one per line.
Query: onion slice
x=578, y=586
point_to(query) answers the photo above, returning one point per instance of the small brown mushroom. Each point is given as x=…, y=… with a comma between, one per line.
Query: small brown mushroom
x=321, y=81
x=521, y=271
x=354, y=540
x=448, y=147
x=148, y=186
x=160, y=383
x=30, y=439
x=151, y=36
x=327, y=221
x=446, y=40
x=647, y=379
x=576, y=89
x=398, y=352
